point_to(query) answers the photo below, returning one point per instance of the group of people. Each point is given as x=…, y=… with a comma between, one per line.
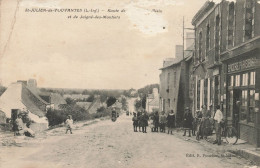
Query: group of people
x=22, y=128
x=156, y=122
x=201, y=125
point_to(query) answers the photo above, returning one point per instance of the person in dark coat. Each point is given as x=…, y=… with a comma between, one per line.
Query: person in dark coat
x=139, y=114
x=135, y=122
x=187, y=121
x=156, y=121
x=171, y=121
x=144, y=121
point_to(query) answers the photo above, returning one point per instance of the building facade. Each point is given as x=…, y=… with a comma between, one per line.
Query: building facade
x=226, y=63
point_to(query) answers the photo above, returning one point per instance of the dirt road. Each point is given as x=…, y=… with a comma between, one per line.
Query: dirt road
x=113, y=144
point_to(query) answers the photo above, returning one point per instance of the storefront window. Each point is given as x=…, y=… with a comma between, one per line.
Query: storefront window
x=252, y=78
x=237, y=82
x=230, y=105
x=245, y=79
x=251, y=105
x=206, y=92
x=231, y=81
x=243, y=115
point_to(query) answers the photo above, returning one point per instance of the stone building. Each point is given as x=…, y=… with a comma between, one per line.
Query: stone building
x=226, y=63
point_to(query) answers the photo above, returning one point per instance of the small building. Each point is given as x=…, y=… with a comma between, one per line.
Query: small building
x=152, y=101
x=19, y=97
x=54, y=99
x=91, y=107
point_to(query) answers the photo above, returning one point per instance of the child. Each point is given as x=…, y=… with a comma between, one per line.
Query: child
x=135, y=122
x=151, y=123
x=69, y=123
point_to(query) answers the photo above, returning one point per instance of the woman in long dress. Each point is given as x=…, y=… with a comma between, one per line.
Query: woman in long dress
x=171, y=121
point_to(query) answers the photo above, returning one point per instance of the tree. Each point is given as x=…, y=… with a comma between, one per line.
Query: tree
x=91, y=98
x=110, y=101
x=124, y=103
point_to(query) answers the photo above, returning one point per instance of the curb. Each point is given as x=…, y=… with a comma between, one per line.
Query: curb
x=247, y=154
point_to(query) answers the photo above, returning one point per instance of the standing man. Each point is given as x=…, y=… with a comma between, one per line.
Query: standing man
x=187, y=122
x=218, y=118
x=162, y=121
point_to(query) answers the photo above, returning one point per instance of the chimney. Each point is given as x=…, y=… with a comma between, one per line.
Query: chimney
x=22, y=81
x=179, y=52
x=32, y=83
x=190, y=39
x=168, y=61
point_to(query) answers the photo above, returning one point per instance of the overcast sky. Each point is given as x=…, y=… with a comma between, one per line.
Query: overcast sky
x=96, y=54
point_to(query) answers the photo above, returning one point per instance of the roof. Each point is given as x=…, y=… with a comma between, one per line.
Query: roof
x=76, y=96
x=154, y=102
x=188, y=53
x=57, y=99
x=84, y=105
x=205, y=8
x=32, y=103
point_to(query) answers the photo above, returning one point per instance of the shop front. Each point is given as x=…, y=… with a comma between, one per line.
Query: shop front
x=242, y=95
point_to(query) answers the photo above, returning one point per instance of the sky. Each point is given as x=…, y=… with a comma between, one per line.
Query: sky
x=62, y=52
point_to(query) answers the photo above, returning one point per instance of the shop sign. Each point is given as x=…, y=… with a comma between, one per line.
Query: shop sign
x=242, y=65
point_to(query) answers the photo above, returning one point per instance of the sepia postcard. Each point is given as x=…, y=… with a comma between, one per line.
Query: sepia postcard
x=129, y=83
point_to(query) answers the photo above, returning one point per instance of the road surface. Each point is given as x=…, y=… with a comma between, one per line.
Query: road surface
x=109, y=144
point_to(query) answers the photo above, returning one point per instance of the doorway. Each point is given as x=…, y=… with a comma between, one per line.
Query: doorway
x=236, y=109
x=14, y=115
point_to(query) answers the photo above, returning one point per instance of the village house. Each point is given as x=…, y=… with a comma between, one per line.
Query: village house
x=175, y=80
x=76, y=97
x=171, y=93
x=19, y=97
x=226, y=63
x=91, y=107
x=54, y=99
x=152, y=101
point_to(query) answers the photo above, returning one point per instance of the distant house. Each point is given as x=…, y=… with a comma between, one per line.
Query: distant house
x=54, y=99
x=152, y=101
x=84, y=105
x=18, y=96
x=77, y=97
x=91, y=107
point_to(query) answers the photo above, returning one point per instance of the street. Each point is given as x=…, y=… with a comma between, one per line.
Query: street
x=108, y=144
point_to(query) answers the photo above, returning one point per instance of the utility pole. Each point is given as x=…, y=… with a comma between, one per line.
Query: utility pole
x=183, y=39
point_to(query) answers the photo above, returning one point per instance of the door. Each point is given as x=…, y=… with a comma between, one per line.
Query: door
x=14, y=115
x=236, y=109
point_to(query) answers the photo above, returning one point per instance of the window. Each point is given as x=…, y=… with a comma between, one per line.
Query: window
x=198, y=94
x=237, y=82
x=249, y=19
x=207, y=40
x=230, y=104
x=252, y=78
x=168, y=82
x=243, y=113
x=231, y=21
x=245, y=79
x=231, y=81
x=169, y=103
x=251, y=106
x=205, y=92
x=200, y=47
x=174, y=78
x=217, y=35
